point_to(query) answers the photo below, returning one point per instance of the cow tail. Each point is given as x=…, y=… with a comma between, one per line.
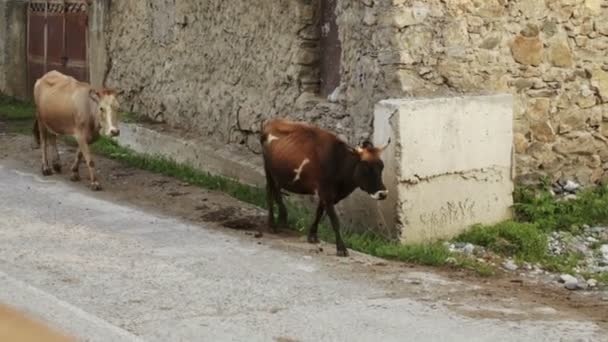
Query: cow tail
x=262, y=134
x=36, y=132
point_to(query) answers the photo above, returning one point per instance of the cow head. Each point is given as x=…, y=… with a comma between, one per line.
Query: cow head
x=368, y=171
x=106, y=110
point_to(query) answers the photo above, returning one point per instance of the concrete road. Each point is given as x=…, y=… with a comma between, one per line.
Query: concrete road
x=107, y=272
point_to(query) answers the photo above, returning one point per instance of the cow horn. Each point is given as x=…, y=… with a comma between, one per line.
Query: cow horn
x=94, y=95
x=386, y=145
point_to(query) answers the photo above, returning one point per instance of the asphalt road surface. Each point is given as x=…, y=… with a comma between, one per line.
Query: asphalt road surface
x=101, y=271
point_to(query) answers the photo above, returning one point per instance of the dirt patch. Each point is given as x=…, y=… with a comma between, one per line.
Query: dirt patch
x=522, y=297
x=220, y=215
x=245, y=223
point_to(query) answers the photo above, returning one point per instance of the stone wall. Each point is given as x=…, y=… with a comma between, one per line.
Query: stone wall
x=13, y=58
x=221, y=67
x=551, y=54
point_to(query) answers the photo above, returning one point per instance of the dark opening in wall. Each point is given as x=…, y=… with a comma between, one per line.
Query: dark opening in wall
x=330, y=48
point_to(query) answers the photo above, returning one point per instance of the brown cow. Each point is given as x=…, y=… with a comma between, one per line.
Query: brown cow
x=305, y=159
x=65, y=106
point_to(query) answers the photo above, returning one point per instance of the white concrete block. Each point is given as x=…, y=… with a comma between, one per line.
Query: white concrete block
x=450, y=165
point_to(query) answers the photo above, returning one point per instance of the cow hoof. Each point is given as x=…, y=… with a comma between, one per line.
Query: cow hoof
x=57, y=168
x=95, y=186
x=342, y=253
x=46, y=171
x=313, y=239
x=75, y=177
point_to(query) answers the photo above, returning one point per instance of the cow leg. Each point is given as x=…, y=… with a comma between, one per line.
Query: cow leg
x=335, y=223
x=312, y=232
x=84, y=147
x=56, y=163
x=75, y=175
x=270, y=185
x=270, y=200
x=46, y=170
x=282, y=209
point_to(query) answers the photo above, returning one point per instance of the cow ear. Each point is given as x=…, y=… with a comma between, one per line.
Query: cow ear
x=94, y=95
x=110, y=91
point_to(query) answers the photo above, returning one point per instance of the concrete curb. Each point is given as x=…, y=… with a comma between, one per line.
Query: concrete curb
x=211, y=157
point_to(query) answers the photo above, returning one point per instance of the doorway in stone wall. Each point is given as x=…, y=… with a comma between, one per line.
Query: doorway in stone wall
x=330, y=48
x=57, y=39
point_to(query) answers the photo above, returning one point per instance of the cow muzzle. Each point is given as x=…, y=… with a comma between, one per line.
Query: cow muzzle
x=114, y=132
x=380, y=195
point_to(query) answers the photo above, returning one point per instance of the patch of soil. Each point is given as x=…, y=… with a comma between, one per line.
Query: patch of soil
x=245, y=223
x=214, y=210
x=219, y=215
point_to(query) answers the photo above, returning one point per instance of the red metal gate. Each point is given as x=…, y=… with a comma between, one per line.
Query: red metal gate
x=57, y=39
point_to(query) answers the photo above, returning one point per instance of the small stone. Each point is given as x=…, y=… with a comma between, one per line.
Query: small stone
x=560, y=54
x=369, y=18
x=538, y=109
x=258, y=235
x=591, y=283
x=550, y=27
x=527, y=50
x=520, y=142
x=594, y=7
x=543, y=131
x=509, y=265
x=451, y=261
x=459, y=245
x=557, y=189
x=604, y=251
x=490, y=43
x=469, y=248
x=406, y=16
x=577, y=286
x=307, y=57
x=564, y=278
x=599, y=81
x=570, y=282
x=571, y=186
x=602, y=27
x=530, y=31
x=586, y=101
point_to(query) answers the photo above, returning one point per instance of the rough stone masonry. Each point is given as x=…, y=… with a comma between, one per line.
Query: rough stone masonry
x=551, y=54
x=220, y=67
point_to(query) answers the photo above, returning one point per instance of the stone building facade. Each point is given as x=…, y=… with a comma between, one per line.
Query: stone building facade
x=219, y=68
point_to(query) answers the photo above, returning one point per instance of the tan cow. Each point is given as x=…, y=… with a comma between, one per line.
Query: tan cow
x=65, y=106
